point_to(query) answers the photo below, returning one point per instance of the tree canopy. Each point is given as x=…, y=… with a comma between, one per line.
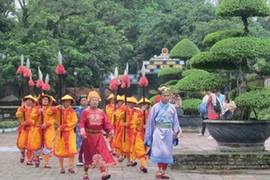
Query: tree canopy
x=184, y=50
x=93, y=34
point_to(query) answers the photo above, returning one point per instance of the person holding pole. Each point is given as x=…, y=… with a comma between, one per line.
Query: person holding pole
x=141, y=118
x=42, y=139
x=119, y=119
x=25, y=130
x=65, y=138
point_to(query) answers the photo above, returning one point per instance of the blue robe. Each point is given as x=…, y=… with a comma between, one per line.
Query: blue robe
x=79, y=139
x=162, y=124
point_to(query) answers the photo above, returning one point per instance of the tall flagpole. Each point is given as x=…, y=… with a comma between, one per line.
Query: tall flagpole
x=143, y=82
x=60, y=70
x=21, y=70
x=125, y=85
x=39, y=85
x=114, y=83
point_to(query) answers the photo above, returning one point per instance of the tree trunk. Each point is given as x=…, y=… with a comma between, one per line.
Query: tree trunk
x=242, y=85
x=245, y=22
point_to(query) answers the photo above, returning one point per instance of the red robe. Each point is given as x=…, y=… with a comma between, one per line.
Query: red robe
x=95, y=150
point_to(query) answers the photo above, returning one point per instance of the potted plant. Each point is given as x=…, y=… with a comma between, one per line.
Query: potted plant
x=233, y=50
x=190, y=120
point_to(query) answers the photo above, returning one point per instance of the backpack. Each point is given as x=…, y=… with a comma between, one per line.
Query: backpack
x=217, y=108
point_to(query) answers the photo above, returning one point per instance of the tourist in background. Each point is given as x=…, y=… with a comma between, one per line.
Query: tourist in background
x=228, y=108
x=203, y=110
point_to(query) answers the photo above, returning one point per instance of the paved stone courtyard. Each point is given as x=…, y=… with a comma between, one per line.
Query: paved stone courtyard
x=11, y=169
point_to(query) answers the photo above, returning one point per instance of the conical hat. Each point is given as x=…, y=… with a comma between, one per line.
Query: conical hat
x=111, y=96
x=29, y=97
x=42, y=96
x=68, y=97
x=145, y=100
x=53, y=99
x=132, y=99
x=93, y=94
x=120, y=98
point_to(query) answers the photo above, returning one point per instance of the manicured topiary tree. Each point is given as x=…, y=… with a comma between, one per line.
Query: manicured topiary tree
x=254, y=100
x=233, y=49
x=243, y=9
x=211, y=39
x=235, y=52
x=200, y=82
x=191, y=105
x=184, y=50
x=194, y=71
x=168, y=74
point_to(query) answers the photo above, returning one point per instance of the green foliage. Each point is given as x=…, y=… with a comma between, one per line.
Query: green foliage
x=168, y=74
x=247, y=8
x=191, y=104
x=152, y=99
x=9, y=124
x=254, y=99
x=184, y=50
x=233, y=94
x=212, y=38
x=262, y=67
x=264, y=114
x=93, y=33
x=193, y=71
x=235, y=49
x=171, y=82
x=174, y=73
x=210, y=61
x=199, y=82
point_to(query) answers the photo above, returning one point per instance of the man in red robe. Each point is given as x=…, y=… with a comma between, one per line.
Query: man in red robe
x=94, y=147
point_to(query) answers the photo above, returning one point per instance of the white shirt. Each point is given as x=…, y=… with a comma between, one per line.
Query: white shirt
x=205, y=99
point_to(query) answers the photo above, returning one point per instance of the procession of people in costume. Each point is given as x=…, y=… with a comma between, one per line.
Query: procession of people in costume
x=134, y=130
x=127, y=129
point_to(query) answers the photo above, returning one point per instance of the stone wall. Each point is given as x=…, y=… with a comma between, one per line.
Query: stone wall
x=222, y=161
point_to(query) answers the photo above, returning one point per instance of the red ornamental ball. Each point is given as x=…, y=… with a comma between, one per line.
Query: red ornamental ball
x=143, y=81
x=46, y=87
x=27, y=73
x=114, y=84
x=31, y=83
x=21, y=70
x=60, y=69
x=39, y=83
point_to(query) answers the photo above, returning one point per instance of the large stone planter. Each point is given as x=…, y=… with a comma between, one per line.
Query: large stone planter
x=190, y=123
x=245, y=136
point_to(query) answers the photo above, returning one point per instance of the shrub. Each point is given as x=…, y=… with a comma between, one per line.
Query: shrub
x=9, y=124
x=190, y=106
